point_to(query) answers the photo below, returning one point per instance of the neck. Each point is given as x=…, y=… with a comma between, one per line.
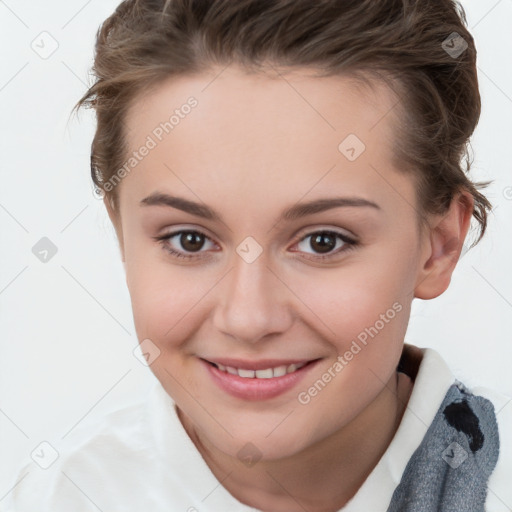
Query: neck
x=323, y=477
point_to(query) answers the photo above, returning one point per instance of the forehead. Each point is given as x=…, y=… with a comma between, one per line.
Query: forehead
x=276, y=98
x=263, y=132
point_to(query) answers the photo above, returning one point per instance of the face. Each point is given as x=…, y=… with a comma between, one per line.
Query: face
x=236, y=277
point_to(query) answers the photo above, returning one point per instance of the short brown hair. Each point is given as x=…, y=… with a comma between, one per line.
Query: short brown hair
x=403, y=42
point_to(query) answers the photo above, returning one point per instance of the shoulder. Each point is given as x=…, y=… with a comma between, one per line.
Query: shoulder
x=111, y=451
x=471, y=428
x=499, y=497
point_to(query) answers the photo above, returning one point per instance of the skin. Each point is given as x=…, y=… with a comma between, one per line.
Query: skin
x=253, y=146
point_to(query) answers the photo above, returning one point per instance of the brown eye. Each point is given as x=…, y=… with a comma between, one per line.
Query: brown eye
x=324, y=244
x=182, y=244
x=192, y=240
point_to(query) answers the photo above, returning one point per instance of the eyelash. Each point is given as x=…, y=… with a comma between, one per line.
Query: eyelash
x=350, y=244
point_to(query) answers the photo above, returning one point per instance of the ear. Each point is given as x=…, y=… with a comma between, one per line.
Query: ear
x=115, y=218
x=443, y=246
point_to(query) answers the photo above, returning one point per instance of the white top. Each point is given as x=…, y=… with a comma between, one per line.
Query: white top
x=140, y=458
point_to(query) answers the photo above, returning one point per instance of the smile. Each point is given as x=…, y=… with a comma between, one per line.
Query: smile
x=268, y=373
x=261, y=384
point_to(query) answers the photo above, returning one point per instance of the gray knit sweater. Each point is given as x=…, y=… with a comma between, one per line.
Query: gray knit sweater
x=450, y=469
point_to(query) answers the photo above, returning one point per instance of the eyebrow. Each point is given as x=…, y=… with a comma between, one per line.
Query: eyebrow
x=294, y=212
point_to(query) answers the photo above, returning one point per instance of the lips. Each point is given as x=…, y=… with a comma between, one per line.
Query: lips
x=256, y=388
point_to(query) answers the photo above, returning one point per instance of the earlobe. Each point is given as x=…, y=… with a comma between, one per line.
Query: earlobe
x=442, y=252
x=115, y=218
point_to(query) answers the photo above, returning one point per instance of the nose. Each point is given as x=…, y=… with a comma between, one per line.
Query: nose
x=253, y=301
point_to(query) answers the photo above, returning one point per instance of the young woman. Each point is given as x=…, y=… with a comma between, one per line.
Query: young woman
x=284, y=178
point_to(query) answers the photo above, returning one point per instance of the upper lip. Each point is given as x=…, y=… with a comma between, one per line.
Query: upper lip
x=262, y=364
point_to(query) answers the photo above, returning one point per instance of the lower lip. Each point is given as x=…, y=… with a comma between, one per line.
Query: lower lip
x=257, y=389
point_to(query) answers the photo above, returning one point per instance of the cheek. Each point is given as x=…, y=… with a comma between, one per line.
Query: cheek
x=163, y=299
x=346, y=300
x=363, y=314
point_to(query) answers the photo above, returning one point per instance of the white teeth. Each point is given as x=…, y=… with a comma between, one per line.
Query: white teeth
x=280, y=371
x=268, y=373
x=264, y=374
x=246, y=373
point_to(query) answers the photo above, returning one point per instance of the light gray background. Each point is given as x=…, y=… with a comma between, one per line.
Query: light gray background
x=67, y=334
